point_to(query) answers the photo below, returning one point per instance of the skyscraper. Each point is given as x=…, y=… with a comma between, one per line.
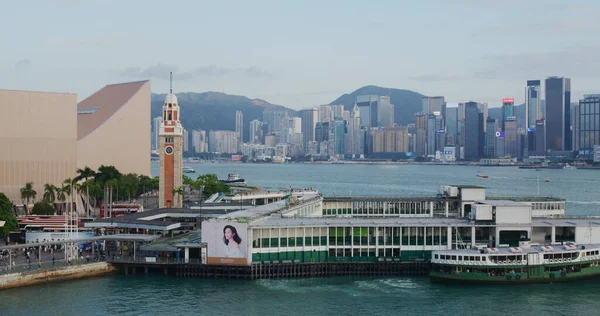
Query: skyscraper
x=155, y=129
x=256, y=132
x=322, y=131
x=558, y=113
x=510, y=138
x=239, y=125
x=508, y=111
x=490, y=137
x=451, y=123
x=589, y=124
x=186, y=140
x=431, y=135
x=533, y=107
x=420, y=134
x=473, y=133
x=431, y=105
x=367, y=106
x=385, y=112
x=309, y=122
x=272, y=118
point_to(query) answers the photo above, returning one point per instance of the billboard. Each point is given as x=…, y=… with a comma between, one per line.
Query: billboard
x=31, y=237
x=508, y=100
x=227, y=242
x=500, y=134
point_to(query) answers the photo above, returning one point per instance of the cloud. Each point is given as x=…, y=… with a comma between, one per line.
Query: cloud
x=23, y=63
x=161, y=71
x=438, y=77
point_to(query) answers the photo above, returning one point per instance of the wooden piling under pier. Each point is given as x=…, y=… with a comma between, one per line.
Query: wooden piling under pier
x=282, y=270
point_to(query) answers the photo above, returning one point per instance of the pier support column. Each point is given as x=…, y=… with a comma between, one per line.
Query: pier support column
x=126, y=269
x=186, y=255
x=166, y=271
x=553, y=237
x=446, y=209
x=146, y=270
x=473, y=237
x=449, y=237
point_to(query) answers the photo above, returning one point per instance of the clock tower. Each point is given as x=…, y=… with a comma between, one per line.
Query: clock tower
x=170, y=151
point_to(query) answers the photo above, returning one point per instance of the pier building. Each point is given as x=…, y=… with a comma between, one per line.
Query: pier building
x=305, y=227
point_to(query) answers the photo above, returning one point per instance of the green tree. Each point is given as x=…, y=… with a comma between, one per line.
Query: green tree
x=212, y=185
x=128, y=186
x=7, y=215
x=49, y=193
x=43, y=208
x=28, y=193
x=61, y=197
x=84, y=175
x=70, y=187
x=181, y=192
x=108, y=176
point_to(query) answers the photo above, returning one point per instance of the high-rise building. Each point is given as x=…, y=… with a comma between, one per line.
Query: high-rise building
x=558, y=113
x=199, y=141
x=309, y=123
x=508, y=111
x=325, y=113
x=353, y=135
x=339, y=132
x=155, y=128
x=272, y=119
x=540, y=137
x=338, y=111
x=385, y=113
x=322, y=131
x=390, y=140
x=533, y=107
x=186, y=140
x=491, y=125
x=431, y=135
x=499, y=147
x=433, y=105
x=223, y=142
x=420, y=134
x=451, y=124
x=170, y=154
x=256, y=132
x=510, y=138
x=473, y=131
x=368, y=108
x=239, y=125
x=588, y=125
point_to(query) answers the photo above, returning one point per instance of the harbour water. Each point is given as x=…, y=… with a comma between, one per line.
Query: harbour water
x=150, y=295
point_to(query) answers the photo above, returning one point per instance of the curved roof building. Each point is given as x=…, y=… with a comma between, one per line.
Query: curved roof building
x=113, y=128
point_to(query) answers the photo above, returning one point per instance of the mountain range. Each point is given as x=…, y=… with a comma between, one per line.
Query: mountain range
x=216, y=110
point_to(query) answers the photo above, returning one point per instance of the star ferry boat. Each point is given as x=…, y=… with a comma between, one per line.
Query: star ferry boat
x=529, y=263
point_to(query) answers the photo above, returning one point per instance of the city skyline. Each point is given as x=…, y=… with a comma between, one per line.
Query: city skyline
x=298, y=64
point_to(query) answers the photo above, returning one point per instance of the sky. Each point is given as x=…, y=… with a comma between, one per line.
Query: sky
x=301, y=53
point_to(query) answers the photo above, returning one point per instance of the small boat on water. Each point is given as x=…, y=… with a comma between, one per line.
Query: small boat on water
x=530, y=263
x=188, y=170
x=548, y=179
x=481, y=175
x=233, y=178
x=569, y=167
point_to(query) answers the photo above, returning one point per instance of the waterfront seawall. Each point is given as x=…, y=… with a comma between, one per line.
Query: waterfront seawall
x=57, y=274
x=279, y=271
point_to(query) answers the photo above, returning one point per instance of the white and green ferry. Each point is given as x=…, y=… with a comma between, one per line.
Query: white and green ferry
x=526, y=264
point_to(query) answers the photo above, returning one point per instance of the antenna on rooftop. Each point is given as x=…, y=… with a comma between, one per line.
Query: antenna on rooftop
x=171, y=82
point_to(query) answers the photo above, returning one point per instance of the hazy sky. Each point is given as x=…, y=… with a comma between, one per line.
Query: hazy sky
x=301, y=53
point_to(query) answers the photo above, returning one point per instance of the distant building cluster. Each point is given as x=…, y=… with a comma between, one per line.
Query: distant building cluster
x=442, y=131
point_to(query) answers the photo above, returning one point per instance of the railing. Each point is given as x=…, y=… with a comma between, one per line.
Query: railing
x=21, y=266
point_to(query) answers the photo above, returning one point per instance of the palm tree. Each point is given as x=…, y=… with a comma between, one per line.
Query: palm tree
x=49, y=193
x=27, y=192
x=181, y=192
x=60, y=196
x=70, y=186
x=95, y=191
x=107, y=176
x=85, y=174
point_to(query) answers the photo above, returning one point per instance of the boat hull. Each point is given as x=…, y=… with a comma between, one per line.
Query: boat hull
x=469, y=278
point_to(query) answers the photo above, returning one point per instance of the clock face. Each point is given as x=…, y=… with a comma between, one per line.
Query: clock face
x=169, y=150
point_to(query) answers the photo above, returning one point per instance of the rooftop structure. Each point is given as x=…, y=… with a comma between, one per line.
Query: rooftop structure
x=102, y=121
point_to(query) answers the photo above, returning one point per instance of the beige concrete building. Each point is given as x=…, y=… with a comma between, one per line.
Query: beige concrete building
x=390, y=140
x=38, y=140
x=113, y=128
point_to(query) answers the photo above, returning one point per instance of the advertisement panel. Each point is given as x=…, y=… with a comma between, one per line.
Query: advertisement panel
x=31, y=237
x=227, y=242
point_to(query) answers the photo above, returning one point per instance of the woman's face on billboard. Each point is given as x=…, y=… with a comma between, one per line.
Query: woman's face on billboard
x=228, y=234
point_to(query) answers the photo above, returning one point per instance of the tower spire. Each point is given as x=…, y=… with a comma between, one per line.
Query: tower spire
x=171, y=82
